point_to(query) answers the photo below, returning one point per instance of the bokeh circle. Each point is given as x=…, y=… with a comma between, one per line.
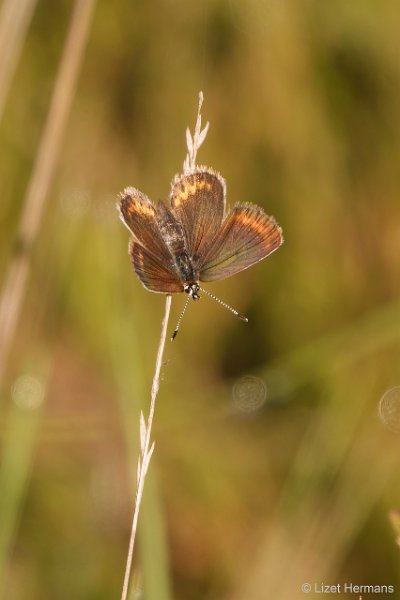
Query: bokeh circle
x=389, y=409
x=27, y=392
x=249, y=393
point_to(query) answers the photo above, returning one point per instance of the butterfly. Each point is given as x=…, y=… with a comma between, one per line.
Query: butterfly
x=196, y=238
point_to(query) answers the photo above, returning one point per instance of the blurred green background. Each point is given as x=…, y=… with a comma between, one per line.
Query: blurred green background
x=277, y=451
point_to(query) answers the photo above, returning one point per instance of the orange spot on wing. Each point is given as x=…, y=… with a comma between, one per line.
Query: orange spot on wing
x=180, y=197
x=138, y=208
x=262, y=226
x=145, y=209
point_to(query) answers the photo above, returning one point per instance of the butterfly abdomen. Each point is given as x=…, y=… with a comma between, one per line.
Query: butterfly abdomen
x=185, y=268
x=172, y=233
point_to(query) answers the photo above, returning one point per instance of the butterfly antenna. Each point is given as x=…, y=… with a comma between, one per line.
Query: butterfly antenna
x=235, y=312
x=173, y=336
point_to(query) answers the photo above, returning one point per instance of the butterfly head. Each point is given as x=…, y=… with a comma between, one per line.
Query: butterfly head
x=192, y=290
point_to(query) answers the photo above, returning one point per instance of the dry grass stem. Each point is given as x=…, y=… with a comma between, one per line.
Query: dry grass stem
x=14, y=286
x=15, y=18
x=146, y=450
x=193, y=143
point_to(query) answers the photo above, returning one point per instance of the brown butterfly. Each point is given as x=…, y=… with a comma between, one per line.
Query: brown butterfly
x=173, y=249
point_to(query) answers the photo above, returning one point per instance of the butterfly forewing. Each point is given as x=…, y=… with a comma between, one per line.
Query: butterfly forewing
x=198, y=203
x=150, y=255
x=140, y=216
x=246, y=236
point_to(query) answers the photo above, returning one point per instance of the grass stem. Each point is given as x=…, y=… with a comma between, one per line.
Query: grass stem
x=146, y=450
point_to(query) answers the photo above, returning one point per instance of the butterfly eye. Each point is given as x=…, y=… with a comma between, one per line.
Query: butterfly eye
x=192, y=289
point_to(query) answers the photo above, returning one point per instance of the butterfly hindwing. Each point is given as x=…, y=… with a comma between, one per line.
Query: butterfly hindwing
x=155, y=275
x=247, y=235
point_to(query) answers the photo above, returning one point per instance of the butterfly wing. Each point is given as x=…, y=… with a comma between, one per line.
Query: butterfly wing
x=151, y=258
x=198, y=203
x=140, y=216
x=246, y=236
x=155, y=275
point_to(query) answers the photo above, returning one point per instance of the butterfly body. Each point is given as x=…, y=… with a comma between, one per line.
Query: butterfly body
x=175, y=248
x=173, y=236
